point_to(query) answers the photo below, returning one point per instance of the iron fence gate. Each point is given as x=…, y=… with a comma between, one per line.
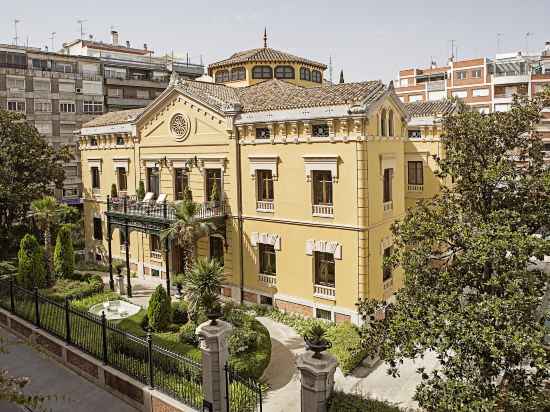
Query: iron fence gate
x=243, y=394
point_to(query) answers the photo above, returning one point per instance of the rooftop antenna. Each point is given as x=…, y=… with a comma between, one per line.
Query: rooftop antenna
x=499, y=35
x=527, y=42
x=330, y=67
x=81, y=22
x=16, y=37
x=52, y=38
x=453, y=50
x=265, y=37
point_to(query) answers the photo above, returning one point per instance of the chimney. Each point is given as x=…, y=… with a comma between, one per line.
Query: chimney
x=547, y=46
x=128, y=43
x=114, y=37
x=144, y=46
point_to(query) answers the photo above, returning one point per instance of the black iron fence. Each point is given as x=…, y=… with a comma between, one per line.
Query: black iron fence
x=243, y=394
x=140, y=358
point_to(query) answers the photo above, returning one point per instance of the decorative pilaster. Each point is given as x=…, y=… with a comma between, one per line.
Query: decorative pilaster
x=317, y=378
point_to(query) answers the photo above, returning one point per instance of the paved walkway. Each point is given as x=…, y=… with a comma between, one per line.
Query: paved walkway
x=49, y=377
x=284, y=381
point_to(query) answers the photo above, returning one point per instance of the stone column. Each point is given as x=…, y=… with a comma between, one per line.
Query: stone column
x=317, y=377
x=213, y=345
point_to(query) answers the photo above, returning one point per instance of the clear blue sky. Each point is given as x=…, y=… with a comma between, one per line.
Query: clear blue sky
x=367, y=39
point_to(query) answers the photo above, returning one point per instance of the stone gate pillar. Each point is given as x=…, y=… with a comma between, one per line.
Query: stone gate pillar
x=317, y=378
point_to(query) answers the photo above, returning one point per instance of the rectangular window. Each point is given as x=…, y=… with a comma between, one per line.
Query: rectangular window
x=16, y=106
x=415, y=98
x=114, y=92
x=142, y=94
x=265, y=185
x=262, y=133
x=153, y=180
x=65, y=86
x=476, y=73
x=216, y=249
x=415, y=174
x=181, y=183
x=404, y=82
x=91, y=87
x=213, y=185
x=461, y=75
x=114, y=73
x=324, y=269
x=120, y=141
x=154, y=243
x=43, y=127
x=70, y=192
x=266, y=300
x=388, y=175
x=268, y=265
x=42, y=106
x=122, y=178
x=387, y=271
x=67, y=107
x=415, y=134
x=93, y=141
x=460, y=94
x=94, y=170
x=63, y=67
x=322, y=187
x=323, y=314
x=16, y=83
x=437, y=95
x=98, y=228
x=41, y=85
x=320, y=130
x=41, y=64
x=93, y=107
x=480, y=92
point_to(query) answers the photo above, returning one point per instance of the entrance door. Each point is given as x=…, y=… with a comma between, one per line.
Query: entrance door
x=153, y=181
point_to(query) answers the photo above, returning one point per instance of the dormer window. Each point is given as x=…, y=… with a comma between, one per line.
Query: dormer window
x=320, y=130
x=262, y=72
x=238, y=73
x=262, y=133
x=316, y=76
x=284, y=72
x=305, y=74
x=222, y=76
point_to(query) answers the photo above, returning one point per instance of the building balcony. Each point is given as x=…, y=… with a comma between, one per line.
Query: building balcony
x=265, y=206
x=127, y=102
x=324, y=292
x=415, y=188
x=269, y=280
x=156, y=254
x=323, y=210
x=20, y=71
x=388, y=206
x=510, y=78
x=160, y=83
x=436, y=85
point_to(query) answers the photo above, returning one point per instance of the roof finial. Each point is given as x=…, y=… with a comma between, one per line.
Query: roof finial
x=265, y=37
x=342, y=76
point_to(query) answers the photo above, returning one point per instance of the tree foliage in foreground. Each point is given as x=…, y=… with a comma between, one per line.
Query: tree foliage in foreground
x=471, y=295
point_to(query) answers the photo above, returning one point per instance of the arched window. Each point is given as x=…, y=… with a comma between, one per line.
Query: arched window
x=238, y=73
x=305, y=73
x=262, y=72
x=222, y=76
x=316, y=76
x=383, y=131
x=390, y=123
x=284, y=72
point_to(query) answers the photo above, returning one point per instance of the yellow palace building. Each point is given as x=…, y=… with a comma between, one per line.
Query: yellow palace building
x=302, y=179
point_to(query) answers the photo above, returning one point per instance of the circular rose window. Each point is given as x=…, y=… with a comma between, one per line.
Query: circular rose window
x=179, y=126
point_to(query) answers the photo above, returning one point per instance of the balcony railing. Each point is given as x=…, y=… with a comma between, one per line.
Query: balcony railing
x=166, y=210
x=325, y=292
x=415, y=188
x=388, y=206
x=265, y=206
x=323, y=210
x=156, y=254
x=6, y=69
x=435, y=85
x=270, y=280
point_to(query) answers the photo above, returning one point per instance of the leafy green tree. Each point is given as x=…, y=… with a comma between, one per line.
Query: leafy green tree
x=471, y=294
x=140, y=192
x=28, y=169
x=63, y=258
x=159, y=310
x=202, y=285
x=187, y=229
x=31, y=271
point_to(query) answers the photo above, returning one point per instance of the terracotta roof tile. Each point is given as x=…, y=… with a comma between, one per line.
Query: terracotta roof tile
x=264, y=54
x=427, y=109
x=119, y=117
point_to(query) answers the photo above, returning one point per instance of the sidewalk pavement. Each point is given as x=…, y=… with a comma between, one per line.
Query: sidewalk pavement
x=47, y=377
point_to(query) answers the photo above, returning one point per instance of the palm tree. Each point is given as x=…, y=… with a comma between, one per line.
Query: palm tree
x=187, y=230
x=202, y=286
x=47, y=212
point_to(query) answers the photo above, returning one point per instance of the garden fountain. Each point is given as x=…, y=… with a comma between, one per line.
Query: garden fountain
x=115, y=309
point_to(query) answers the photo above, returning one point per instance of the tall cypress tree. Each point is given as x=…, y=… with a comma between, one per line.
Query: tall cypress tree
x=63, y=257
x=31, y=266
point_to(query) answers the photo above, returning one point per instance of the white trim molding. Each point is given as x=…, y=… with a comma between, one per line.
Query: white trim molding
x=211, y=162
x=95, y=163
x=327, y=246
x=121, y=162
x=267, y=239
x=321, y=162
x=263, y=162
x=417, y=157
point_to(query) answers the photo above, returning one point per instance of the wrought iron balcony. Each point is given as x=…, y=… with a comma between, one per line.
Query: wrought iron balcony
x=130, y=206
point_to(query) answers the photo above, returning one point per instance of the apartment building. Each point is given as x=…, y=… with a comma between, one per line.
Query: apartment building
x=486, y=84
x=57, y=93
x=133, y=76
x=303, y=184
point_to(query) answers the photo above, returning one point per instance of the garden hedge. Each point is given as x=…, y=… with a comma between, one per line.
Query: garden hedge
x=345, y=402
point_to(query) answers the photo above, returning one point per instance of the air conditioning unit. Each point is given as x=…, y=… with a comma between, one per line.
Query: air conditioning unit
x=79, y=90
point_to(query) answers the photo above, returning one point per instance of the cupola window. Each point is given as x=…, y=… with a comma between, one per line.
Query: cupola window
x=222, y=76
x=305, y=74
x=238, y=73
x=316, y=76
x=284, y=72
x=262, y=72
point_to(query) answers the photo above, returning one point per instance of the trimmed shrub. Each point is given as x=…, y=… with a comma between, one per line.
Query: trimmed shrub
x=345, y=402
x=63, y=255
x=179, y=312
x=346, y=345
x=140, y=192
x=187, y=334
x=70, y=289
x=31, y=270
x=114, y=192
x=158, y=310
